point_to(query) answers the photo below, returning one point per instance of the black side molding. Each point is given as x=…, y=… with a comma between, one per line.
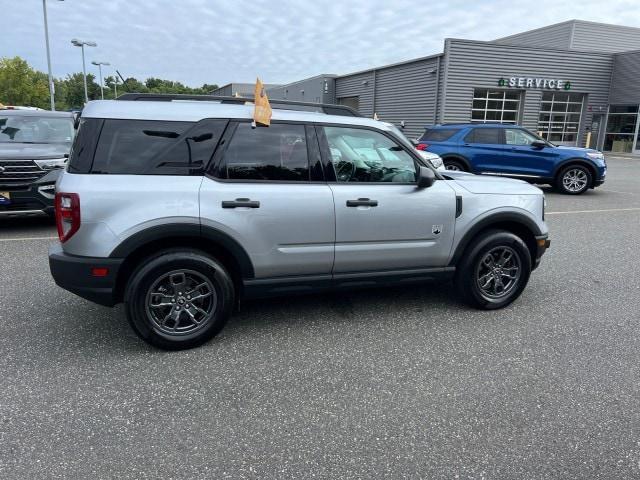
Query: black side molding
x=458, y=205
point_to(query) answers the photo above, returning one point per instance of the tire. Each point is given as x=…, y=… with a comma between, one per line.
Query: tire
x=573, y=180
x=474, y=268
x=179, y=299
x=456, y=165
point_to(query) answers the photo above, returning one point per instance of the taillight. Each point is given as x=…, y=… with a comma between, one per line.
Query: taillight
x=422, y=146
x=67, y=215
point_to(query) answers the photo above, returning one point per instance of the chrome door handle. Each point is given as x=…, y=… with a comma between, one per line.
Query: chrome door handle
x=362, y=202
x=240, y=203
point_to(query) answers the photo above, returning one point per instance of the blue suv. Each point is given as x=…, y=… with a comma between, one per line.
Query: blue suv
x=513, y=151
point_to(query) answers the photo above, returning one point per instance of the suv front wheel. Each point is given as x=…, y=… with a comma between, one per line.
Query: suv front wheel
x=574, y=180
x=179, y=299
x=494, y=270
x=455, y=165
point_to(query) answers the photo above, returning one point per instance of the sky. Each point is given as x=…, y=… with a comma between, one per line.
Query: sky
x=215, y=41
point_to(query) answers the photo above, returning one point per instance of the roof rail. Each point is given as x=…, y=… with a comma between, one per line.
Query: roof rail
x=276, y=104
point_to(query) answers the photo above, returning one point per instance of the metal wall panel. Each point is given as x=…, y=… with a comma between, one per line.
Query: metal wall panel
x=472, y=64
x=407, y=93
x=600, y=37
x=556, y=36
x=625, y=83
x=357, y=85
x=400, y=92
x=307, y=90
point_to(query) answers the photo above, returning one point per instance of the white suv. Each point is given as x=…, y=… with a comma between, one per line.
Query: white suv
x=179, y=208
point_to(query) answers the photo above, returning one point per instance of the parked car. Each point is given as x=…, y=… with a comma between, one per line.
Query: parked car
x=513, y=151
x=180, y=209
x=34, y=147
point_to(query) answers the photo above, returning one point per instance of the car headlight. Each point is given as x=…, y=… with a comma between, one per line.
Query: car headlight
x=595, y=155
x=436, y=162
x=51, y=163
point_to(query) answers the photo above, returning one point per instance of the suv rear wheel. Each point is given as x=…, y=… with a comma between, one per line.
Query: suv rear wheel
x=456, y=165
x=494, y=271
x=573, y=180
x=179, y=299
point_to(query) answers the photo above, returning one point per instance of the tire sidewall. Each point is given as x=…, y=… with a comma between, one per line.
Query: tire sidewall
x=458, y=163
x=560, y=185
x=466, y=274
x=150, y=271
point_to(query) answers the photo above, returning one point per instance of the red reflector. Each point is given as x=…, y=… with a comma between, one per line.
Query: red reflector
x=99, y=271
x=422, y=146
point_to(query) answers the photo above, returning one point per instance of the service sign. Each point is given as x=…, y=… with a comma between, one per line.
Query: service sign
x=535, y=82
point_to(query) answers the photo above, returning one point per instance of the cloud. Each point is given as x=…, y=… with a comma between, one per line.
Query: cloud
x=198, y=41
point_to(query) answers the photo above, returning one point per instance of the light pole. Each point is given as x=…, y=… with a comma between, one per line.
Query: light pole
x=81, y=43
x=46, y=39
x=99, y=64
x=115, y=87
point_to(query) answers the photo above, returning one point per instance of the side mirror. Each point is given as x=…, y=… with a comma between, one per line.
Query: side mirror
x=426, y=177
x=538, y=144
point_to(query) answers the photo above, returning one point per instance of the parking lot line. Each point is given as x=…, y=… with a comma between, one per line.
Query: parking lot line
x=635, y=209
x=19, y=239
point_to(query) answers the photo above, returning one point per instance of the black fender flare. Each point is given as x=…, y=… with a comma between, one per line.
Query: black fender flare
x=186, y=231
x=494, y=219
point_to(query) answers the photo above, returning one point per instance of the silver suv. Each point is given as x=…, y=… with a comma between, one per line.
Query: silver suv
x=180, y=208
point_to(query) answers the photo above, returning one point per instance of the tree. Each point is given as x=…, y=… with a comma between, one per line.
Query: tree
x=75, y=90
x=22, y=85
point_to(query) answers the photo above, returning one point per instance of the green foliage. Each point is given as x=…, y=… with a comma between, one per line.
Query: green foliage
x=22, y=85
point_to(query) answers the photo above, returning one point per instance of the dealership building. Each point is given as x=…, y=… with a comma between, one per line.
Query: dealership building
x=573, y=82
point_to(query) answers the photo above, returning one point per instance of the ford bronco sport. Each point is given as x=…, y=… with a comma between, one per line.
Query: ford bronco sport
x=179, y=208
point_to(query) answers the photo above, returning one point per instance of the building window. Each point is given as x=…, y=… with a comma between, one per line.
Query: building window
x=621, y=128
x=560, y=114
x=492, y=106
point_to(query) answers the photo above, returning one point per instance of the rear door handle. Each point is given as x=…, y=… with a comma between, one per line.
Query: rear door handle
x=362, y=202
x=240, y=203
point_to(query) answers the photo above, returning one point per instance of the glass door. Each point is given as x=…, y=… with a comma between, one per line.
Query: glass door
x=622, y=129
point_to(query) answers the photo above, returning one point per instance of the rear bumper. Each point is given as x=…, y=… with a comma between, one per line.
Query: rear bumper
x=542, y=245
x=74, y=274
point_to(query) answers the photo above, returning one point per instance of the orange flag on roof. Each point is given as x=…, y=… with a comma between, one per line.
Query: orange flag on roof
x=262, y=110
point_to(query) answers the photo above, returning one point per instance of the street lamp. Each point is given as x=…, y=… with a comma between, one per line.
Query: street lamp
x=99, y=64
x=81, y=43
x=46, y=39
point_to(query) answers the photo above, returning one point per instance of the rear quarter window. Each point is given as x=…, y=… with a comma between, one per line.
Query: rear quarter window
x=84, y=145
x=149, y=147
x=438, y=134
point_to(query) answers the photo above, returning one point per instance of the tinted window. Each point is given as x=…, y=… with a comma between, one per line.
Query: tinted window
x=155, y=147
x=484, y=135
x=129, y=146
x=278, y=152
x=438, y=134
x=84, y=146
x=360, y=155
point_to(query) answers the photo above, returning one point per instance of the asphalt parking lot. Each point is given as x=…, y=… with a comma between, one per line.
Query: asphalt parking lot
x=398, y=383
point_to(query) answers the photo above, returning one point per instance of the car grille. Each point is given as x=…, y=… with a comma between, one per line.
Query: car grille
x=19, y=172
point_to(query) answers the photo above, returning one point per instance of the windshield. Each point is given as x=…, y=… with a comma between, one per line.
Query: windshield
x=35, y=129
